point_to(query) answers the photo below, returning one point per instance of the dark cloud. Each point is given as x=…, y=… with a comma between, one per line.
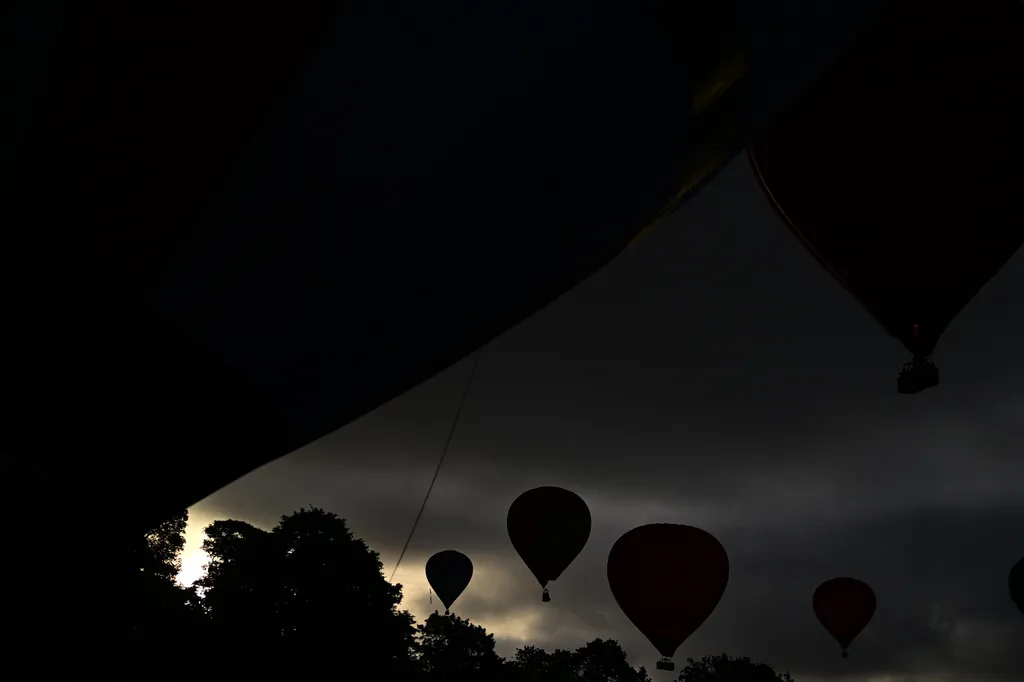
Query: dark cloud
x=713, y=375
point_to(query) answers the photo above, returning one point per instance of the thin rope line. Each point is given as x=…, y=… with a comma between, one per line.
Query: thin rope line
x=444, y=452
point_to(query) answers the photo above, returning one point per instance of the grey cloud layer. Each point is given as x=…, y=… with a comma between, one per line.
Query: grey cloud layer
x=939, y=573
x=937, y=560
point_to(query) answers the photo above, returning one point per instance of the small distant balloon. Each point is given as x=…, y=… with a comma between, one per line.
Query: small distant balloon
x=844, y=606
x=1017, y=584
x=548, y=527
x=667, y=579
x=449, y=573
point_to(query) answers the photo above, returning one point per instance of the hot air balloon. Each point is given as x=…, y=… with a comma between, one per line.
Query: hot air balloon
x=548, y=527
x=844, y=606
x=215, y=175
x=899, y=169
x=449, y=573
x=1017, y=584
x=667, y=579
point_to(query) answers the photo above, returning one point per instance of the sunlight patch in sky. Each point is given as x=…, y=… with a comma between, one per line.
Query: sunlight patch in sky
x=193, y=558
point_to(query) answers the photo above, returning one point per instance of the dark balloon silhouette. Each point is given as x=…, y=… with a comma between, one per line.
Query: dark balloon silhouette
x=899, y=170
x=1017, y=584
x=844, y=606
x=449, y=573
x=548, y=527
x=667, y=579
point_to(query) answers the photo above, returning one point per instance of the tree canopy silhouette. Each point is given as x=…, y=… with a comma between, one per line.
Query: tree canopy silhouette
x=452, y=648
x=724, y=668
x=306, y=591
x=159, y=551
x=161, y=610
x=600, y=660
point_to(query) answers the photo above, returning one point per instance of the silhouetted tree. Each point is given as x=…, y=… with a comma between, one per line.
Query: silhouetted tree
x=307, y=595
x=533, y=664
x=157, y=611
x=159, y=551
x=723, y=668
x=452, y=649
x=601, y=660
x=243, y=586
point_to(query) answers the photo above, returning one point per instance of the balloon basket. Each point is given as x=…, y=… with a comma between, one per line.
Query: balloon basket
x=846, y=654
x=545, y=597
x=665, y=664
x=917, y=375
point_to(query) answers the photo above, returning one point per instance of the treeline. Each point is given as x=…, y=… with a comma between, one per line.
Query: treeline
x=308, y=596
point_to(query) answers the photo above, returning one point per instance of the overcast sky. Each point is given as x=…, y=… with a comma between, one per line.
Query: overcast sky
x=714, y=375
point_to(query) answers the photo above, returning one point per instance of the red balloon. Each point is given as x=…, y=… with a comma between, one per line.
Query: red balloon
x=899, y=170
x=844, y=606
x=667, y=579
x=1017, y=584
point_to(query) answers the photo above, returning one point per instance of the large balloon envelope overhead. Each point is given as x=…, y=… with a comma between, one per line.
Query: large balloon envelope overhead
x=1017, y=584
x=900, y=168
x=844, y=607
x=667, y=579
x=548, y=527
x=449, y=573
x=232, y=228
x=225, y=224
